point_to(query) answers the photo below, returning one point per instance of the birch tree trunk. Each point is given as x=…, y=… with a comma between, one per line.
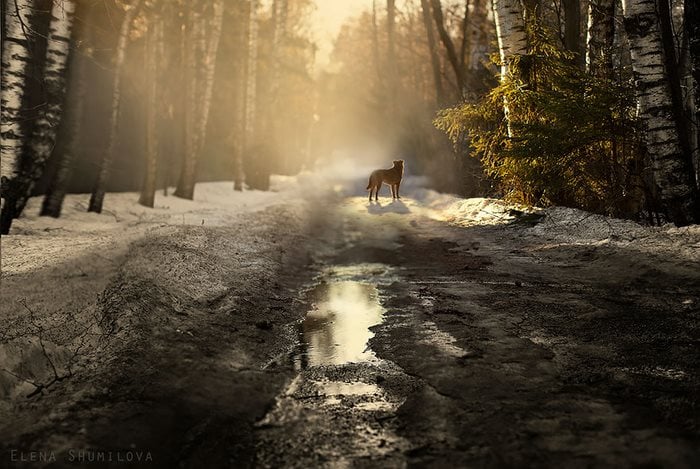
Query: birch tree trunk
x=670, y=168
x=98, y=192
x=434, y=57
x=251, y=94
x=239, y=111
x=512, y=41
x=16, y=55
x=195, y=44
x=152, y=67
x=280, y=8
x=691, y=22
x=43, y=137
x=58, y=186
x=600, y=38
x=201, y=66
x=510, y=31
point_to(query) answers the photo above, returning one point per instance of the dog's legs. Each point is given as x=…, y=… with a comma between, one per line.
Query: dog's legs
x=398, y=184
x=371, y=188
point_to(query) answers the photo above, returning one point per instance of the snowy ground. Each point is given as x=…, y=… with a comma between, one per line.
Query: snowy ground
x=122, y=288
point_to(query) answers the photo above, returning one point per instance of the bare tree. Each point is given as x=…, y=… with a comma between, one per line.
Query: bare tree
x=152, y=65
x=201, y=65
x=670, y=168
x=434, y=55
x=448, y=44
x=512, y=41
x=98, y=192
x=572, y=29
x=600, y=37
x=80, y=56
x=15, y=57
x=43, y=137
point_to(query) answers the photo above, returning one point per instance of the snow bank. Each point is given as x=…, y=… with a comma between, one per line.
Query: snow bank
x=43, y=241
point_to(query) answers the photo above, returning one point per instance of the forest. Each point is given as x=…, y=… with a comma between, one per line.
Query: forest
x=192, y=274
x=589, y=104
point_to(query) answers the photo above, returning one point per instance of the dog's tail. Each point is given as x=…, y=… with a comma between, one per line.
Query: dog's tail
x=369, y=183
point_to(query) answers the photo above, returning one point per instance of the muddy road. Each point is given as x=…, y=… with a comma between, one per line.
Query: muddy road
x=372, y=335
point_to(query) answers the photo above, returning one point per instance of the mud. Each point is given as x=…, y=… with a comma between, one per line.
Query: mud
x=368, y=336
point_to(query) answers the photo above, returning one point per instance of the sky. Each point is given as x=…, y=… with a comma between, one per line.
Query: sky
x=327, y=19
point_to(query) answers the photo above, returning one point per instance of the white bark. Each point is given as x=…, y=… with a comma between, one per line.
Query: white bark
x=15, y=56
x=512, y=40
x=510, y=31
x=43, y=137
x=201, y=65
x=670, y=170
x=600, y=37
x=212, y=47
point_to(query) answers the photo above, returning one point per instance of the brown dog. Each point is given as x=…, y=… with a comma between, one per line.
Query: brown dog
x=388, y=176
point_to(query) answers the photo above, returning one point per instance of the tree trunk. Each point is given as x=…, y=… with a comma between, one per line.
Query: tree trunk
x=279, y=13
x=98, y=192
x=512, y=41
x=670, y=169
x=465, y=38
x=376, y=56
x=152, y=68
x=600, y=38
x=251, y=94
x=392, y=71
x=43, y=138
x=238, y=136
x=691, y=22
x=448, y=44
x=58, y=186
x=434, y=57
x=572, y=29
x=15, y=57
x=200, y=82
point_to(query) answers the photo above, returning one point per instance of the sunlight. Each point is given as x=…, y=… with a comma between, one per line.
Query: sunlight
x=337, y=329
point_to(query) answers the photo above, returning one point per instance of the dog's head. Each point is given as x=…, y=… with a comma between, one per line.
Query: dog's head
x=398, y=163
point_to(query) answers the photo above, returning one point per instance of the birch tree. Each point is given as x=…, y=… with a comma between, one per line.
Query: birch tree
x=251, y=94
x=671, y=170
x=98, y=192
x=152, y=66
x=279, y=32
x=238, y=136
x=79, y=58
x=15, y=57
x=600, y=37
x=512, y=41
x=43, y=138
x=201, y=66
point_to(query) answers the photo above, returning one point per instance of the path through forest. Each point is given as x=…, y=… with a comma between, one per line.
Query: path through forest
x=349, y=334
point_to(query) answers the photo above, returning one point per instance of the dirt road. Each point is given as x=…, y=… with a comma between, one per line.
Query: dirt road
x=375, y=336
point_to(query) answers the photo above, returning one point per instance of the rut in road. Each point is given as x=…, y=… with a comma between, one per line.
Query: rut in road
x=429, y=344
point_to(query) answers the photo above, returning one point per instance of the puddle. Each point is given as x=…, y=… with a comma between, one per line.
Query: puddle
x=336, y=330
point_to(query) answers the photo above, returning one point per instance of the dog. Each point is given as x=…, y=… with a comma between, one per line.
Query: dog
x=392, y=177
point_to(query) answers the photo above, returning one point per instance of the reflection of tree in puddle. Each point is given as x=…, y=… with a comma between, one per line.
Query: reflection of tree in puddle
x=336, y=330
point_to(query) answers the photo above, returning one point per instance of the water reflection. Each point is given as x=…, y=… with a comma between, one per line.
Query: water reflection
x=336, y=330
